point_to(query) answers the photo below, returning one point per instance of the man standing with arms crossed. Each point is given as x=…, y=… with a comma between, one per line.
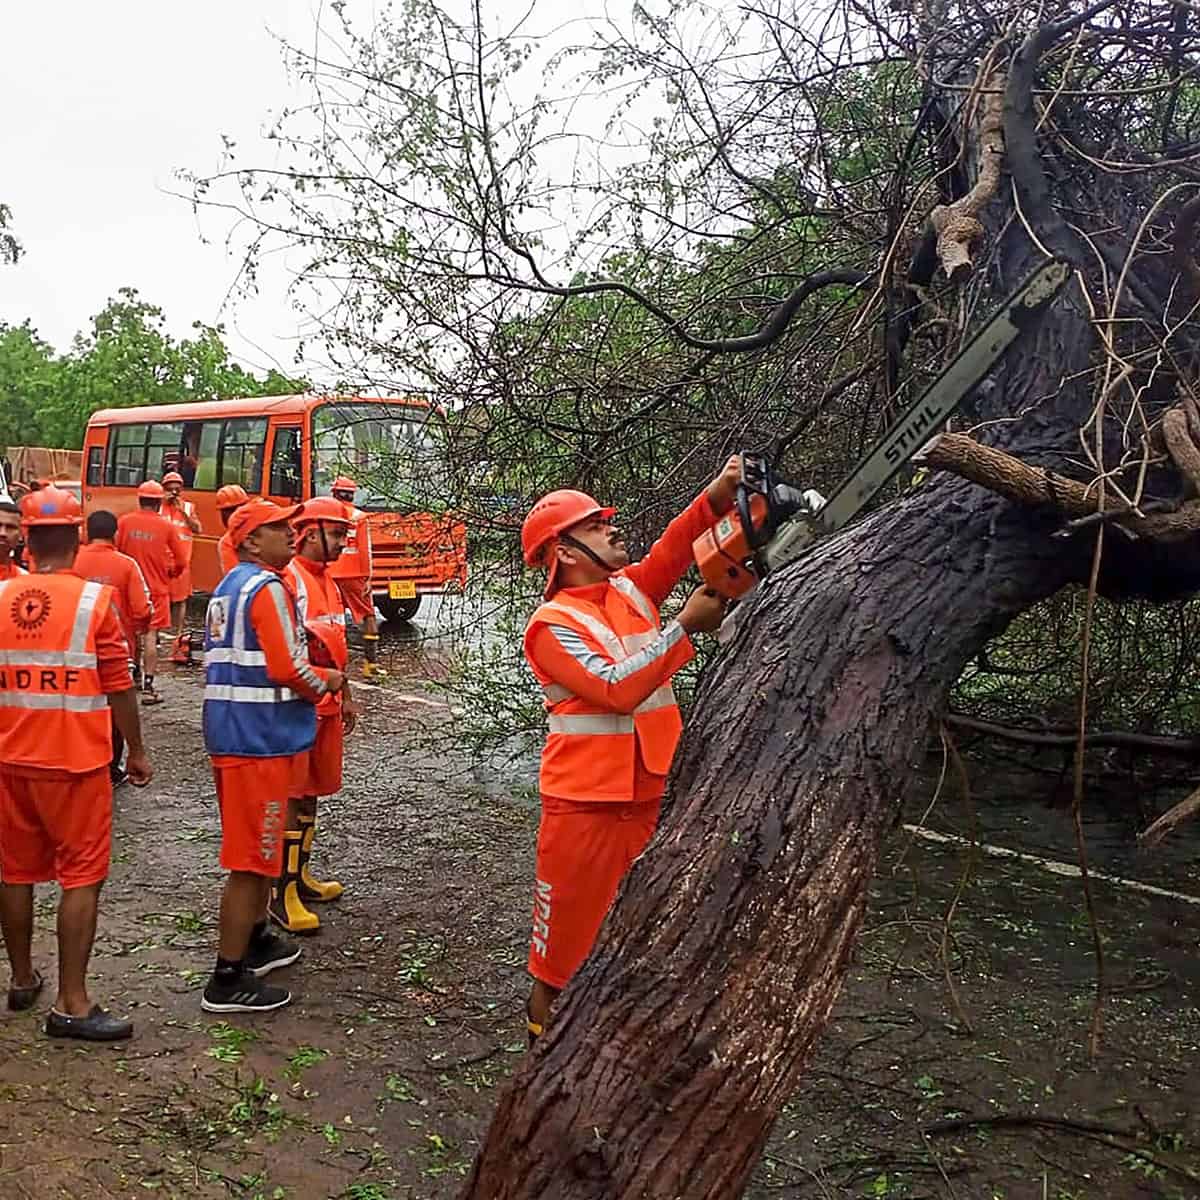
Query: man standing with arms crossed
x=321, y=528
x=259, y=714
x=101, y=562
x=353, y=574
x=604, y=660
x=63, y=663
x=182, y=514
x=151, y=541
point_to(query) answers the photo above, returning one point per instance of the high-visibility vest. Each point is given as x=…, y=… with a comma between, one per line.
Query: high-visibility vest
x=178, y=516
x=323, y=615
x=245, y=713
x=53, y=712
x=590, y=752
x=355, y=561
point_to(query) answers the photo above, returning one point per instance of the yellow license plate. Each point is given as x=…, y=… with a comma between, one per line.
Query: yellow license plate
x=402, y=589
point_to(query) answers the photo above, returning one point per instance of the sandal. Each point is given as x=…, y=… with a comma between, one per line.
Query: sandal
x=22, y=998
x=149, y=698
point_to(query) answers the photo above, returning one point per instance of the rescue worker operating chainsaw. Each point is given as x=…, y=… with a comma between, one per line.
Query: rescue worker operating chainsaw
x=605, y=661
x=321, y=527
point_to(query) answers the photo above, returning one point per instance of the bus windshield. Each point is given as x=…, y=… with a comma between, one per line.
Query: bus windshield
x=386, y=449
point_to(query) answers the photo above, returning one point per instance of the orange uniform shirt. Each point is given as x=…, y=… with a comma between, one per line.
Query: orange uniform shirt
x=227, y=556
x=152, y=542
x=9, y=570
x=102, y=562
x=323, y=617
x=557, y=656
x=178, y=515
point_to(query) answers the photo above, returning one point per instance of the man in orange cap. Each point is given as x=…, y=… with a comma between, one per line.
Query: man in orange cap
x=605, y=661
x=321, y=527
x=153, y=543
x=10, y=540
x=182, y=514
x=229, y=499
x=64, y=679
x=353, y=574
x=101, y=562
x=260, y=698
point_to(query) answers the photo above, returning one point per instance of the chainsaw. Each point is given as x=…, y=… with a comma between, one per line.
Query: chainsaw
x=773, y=523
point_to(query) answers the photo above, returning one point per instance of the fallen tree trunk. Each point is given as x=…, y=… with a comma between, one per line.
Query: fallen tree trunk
x=1061, y=738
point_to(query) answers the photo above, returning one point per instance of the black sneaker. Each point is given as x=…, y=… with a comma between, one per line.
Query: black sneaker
x=117, y=775
x=97, y=1026
x=246, y=993
x=268, y=952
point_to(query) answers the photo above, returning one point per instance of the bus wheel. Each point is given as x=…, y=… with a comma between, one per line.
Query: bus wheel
x=398, y=610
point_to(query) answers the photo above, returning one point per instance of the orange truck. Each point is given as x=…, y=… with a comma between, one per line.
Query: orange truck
x=288, y=449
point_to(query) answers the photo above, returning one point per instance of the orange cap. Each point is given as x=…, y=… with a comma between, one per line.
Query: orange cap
x=151, y=490
x=231, y=495
x=322, y=508
x=254, y=514
x=343, y=483
x=50, y=506
x=172, y=477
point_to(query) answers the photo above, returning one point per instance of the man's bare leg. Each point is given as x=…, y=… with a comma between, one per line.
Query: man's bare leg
x=77, y=909
x=16, y=923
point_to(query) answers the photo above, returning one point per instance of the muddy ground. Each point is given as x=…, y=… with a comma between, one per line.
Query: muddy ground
x=379, y=1081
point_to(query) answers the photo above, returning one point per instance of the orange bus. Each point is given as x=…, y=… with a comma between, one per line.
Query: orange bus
x=290, y=448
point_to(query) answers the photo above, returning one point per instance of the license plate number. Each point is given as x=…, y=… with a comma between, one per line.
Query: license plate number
x=402, y=589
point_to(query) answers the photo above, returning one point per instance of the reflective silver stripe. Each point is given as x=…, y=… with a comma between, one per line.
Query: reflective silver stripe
x=295, y=637
x=47, y=658
x=239, y=604
x=44, y=700
x=662, y=697
x=641, y=601
x=590, y=724
x=555, y=692
x=301, y=591
x=238, y=658
x=597, y=629
x=248, y=695
x=614, y=672
x=635, y=641
x=83, y=616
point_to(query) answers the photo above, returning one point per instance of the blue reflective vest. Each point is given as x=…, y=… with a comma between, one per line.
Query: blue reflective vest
x=245, y=713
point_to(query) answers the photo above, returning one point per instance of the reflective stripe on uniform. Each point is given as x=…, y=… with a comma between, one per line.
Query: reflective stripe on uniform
x=615, y=672
x=248, y=695
x=601, y=632
x=45, y=700
x=83, y=616
x=238, y=658
x=641, y=601
x=663, y=697
x=595, y=723
x=556, y=693
x=47, y=658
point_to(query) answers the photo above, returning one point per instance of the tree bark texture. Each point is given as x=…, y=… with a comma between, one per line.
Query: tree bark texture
x=671, y=1052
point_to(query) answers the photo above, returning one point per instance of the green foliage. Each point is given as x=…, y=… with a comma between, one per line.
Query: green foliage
x=10, y=248
x=126, y=359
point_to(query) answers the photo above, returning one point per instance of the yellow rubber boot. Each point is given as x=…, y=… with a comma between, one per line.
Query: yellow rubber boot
x=371, y=668
x=311, y=888
x=286, y=908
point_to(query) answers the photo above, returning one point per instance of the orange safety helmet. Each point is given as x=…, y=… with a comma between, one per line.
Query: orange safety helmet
x=551, y=515
x=172, y=477
x=322, y=508
x=50, y=506
x=151, y=490
x=343, y=483
x=231, y=495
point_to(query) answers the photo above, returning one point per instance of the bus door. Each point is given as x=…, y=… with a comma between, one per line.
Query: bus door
x=285, y=481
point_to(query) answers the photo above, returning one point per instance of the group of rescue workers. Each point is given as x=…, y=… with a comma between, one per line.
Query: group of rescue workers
x=79, y=620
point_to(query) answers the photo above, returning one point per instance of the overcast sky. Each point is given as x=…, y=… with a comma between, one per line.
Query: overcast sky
x=100, y=104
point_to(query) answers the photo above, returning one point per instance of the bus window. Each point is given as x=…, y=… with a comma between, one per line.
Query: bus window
x=162, y=451
x=286, y=472
x=207, y=446
x=95, y=466
x=242, y=452
x=126, y=455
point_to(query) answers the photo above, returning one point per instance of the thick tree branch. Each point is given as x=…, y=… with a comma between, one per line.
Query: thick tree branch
x=1054, y=739
x=1170, y=820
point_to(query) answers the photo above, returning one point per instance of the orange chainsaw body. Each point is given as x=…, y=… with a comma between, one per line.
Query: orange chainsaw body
x=723, y=553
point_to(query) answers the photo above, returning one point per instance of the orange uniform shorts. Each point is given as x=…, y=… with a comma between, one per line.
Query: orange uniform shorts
x=181, y=586
x=160, y=617
x=252, y=795
x=356, y=592
x=583, y=853
x=318, y=770
x=55, y=825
